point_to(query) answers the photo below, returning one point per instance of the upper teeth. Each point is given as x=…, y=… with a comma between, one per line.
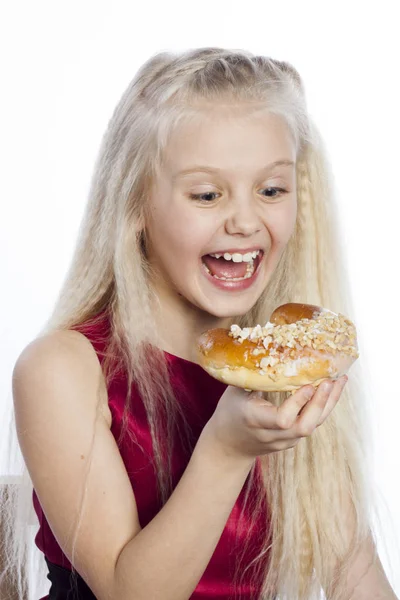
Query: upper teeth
x=236, y=257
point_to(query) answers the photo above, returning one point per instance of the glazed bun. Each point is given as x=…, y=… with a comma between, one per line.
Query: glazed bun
x=301, y=344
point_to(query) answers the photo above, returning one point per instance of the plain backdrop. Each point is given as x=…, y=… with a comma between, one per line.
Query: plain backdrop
x=64, y=67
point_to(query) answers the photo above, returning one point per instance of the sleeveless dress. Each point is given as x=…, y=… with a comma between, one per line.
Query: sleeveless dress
x=199, y=393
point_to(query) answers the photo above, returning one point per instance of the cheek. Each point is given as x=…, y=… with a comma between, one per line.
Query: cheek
x=188, y=233
x=183, y=237
x=284, y=225
x=177, y=238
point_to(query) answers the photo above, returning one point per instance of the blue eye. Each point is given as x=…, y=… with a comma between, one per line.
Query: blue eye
x=280, y=190
x=200, y=197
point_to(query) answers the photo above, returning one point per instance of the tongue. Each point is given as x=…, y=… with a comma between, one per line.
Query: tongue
x=225, y=268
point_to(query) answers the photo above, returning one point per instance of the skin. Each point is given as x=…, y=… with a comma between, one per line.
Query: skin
x=240, y=214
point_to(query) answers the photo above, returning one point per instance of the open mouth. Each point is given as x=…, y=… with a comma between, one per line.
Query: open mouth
x=228, y=270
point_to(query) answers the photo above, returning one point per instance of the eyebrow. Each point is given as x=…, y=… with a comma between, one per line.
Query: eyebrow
x=206, y=169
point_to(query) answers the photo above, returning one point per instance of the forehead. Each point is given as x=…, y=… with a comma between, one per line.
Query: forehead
x=229, y=140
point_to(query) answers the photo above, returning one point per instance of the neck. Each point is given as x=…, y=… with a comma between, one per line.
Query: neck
x=180, y=324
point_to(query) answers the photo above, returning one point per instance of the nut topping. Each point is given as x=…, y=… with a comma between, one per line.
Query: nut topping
x=329, y=332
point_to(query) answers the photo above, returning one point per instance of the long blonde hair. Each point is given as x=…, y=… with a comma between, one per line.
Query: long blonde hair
x=307, y=487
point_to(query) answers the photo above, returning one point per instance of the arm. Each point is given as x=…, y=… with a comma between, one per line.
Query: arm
x=168, y=557
x=55, y=389
x=366, y=579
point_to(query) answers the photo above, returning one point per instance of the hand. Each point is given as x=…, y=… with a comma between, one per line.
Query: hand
x=246, y=425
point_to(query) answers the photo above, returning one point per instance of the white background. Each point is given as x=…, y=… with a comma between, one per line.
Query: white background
x=64, y=67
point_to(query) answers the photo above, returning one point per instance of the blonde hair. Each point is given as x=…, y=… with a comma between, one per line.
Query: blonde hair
x=307, y=487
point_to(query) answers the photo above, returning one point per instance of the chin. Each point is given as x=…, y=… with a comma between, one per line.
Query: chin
x=231, y=308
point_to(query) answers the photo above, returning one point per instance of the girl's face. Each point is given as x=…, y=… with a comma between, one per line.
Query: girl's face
x=219, y=192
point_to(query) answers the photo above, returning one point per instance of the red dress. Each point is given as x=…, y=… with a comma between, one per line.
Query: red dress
x=200, y=394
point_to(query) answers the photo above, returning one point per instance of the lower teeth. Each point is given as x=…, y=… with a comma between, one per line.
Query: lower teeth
x=249, y=273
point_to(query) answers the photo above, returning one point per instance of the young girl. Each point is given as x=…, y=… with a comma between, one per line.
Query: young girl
x=151, y=479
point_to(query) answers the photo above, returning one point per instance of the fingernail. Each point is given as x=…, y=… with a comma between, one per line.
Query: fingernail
x=309, y=393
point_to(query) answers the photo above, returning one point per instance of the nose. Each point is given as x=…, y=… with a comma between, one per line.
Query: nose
x=243, y=217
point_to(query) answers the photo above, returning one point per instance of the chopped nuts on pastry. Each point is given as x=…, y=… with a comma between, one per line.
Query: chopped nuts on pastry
x=299, y=345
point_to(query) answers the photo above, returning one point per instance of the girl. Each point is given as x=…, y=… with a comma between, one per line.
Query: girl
x=149, y=478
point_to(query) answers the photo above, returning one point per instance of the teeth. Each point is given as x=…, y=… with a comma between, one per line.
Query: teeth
x=249, y=273
x=236, y=257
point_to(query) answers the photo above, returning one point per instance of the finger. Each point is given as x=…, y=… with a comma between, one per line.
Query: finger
x=283, y=444
x=269, y=416
x=333, y=398
x=311, y=414
x=292, y=406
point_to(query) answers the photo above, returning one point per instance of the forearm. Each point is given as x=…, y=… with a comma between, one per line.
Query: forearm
x=168, y=557
x=366, y=579
x=372, y=585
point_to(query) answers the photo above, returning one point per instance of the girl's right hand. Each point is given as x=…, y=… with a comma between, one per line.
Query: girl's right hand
x=245, y=425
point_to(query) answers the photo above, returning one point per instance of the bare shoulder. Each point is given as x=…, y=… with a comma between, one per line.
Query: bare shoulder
x=54, y=348
x=72, y=457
